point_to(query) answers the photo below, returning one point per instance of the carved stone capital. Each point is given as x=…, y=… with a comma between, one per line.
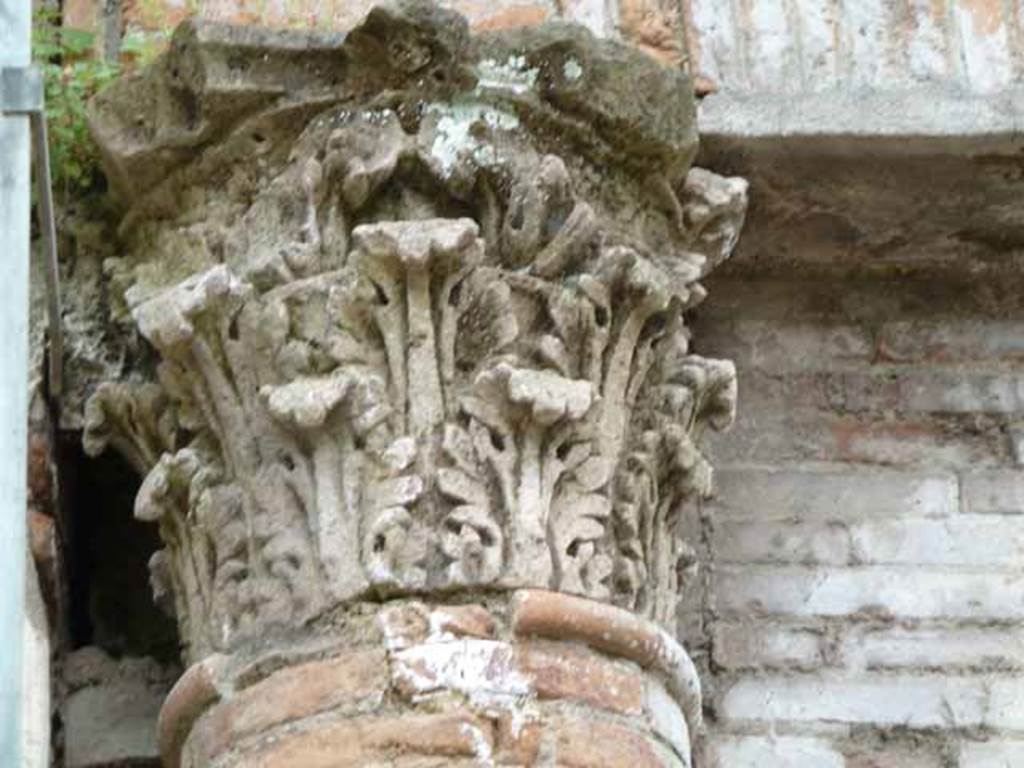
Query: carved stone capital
x=419, y=308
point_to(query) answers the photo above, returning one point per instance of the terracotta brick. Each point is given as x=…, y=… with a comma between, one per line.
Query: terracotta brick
x=605, y=627
x=526, y=15
x=518, y=742
x=155, y=15
x=42, y=541
x=564, y=672
x=404, y=625
x=195, y=690
x=656, y=27
x=463, y=621
x=291, y=694
x=40, y=469
x=80, y=14
x=367, y=740
x=596, y=744
x=410, y=624
x=615, y=631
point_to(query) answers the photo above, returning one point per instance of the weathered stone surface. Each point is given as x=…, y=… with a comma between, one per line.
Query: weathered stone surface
x=928, y=701
x=935, y=592
x=754, y=752
x=418, y=305
x=428, y=333
x=110, y=711
x=111, y=723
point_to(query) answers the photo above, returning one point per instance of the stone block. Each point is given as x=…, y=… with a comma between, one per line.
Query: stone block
x=778, y=347
x=777, y=752
x=878, y=591
x=951, y=340
x=1003, y=708
x=781, y=542
x=749, y=645
x=993, y=492
x=965, y=540
x=977, y=648
x=832, y=492
x=997, y=753
x=928, y=701
x=920, y=440
x=926, y=391
x=111, y=723
x=922, y=754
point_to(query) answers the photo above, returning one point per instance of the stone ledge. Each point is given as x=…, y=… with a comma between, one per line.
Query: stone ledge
x=872, y=182
x=857, y=121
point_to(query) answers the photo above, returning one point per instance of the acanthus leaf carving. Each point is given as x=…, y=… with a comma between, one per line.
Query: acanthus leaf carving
x=417, y=366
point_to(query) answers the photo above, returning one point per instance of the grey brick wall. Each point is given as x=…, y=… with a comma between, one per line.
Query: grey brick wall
x=865, y=599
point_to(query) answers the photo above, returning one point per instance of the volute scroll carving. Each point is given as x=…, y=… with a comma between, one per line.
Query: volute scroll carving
x=419, y=331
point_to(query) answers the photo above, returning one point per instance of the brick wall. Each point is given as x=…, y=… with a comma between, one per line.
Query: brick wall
x=656, y=26
x=865, y=603
x=745, y=47
x=776, y=46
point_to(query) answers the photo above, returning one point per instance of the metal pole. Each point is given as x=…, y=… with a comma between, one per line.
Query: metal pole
x=15, y=32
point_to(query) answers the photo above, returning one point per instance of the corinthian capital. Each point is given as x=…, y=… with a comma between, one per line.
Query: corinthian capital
x=419, y=304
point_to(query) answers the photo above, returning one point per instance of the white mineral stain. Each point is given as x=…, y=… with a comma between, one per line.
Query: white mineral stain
x=455, y=138
x=480, y=744
x=509, y=75
x=572, y=70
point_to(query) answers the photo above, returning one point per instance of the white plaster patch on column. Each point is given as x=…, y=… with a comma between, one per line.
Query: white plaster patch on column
x=482, y=670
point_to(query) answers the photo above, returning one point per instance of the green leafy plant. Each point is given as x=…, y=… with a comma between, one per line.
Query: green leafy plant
x=72, y=73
